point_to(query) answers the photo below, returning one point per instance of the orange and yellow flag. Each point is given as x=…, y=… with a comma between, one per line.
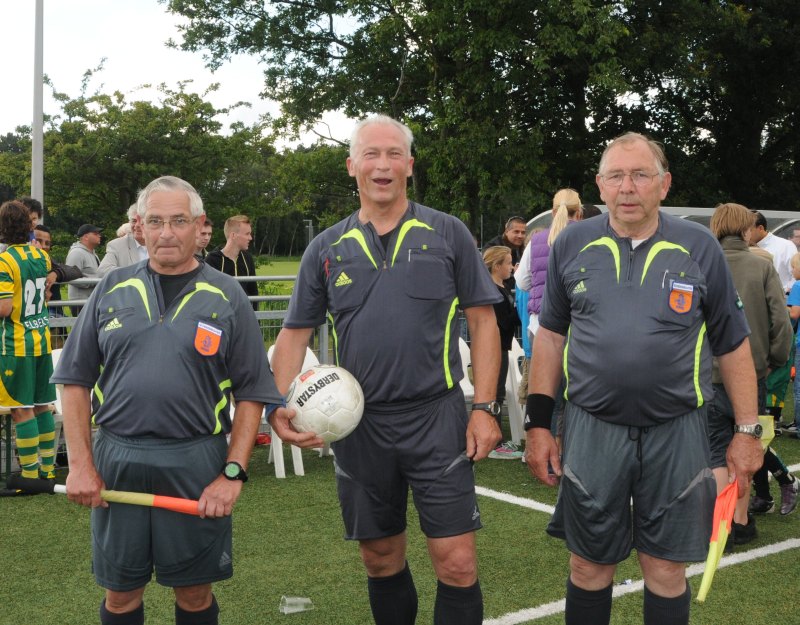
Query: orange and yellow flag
x=723, y=517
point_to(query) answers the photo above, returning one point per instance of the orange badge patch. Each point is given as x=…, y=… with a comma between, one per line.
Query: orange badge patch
x=206, y=339
x=680, y=297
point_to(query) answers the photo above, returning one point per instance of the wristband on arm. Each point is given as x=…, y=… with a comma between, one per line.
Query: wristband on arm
x=539, y=411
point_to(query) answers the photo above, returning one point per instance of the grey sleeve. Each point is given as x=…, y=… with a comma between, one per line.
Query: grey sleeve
x=81, y=359
x=555, y=314
x=110, y=261
x=781, y=335
x=473, y=282
x=725, y=320
x=250, y=375
x=309, y=301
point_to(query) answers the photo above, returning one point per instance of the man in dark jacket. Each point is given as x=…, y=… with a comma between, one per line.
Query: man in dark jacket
x=234, y=258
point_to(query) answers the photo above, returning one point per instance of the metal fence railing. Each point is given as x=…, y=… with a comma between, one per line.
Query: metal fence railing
x=270, y=310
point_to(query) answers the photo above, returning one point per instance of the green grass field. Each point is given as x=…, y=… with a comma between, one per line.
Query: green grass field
x=287, y=539
x=278, y=266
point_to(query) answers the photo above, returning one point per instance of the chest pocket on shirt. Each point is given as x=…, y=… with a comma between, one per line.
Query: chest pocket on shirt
x=680, y=297
x=583, y=285
x=430, y=274
x=348, y=283
x=116, y=326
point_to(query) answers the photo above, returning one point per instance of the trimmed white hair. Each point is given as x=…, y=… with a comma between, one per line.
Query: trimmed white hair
x=384, y=120
x=170, y=183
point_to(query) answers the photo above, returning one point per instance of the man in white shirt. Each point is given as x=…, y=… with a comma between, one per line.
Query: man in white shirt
x=781, y=249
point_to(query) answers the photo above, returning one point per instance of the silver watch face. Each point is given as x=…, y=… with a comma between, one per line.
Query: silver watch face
x=755, y=430
x=492, y=407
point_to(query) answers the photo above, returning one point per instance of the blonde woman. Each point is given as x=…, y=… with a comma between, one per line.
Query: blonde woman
x=499, y=262
x=532, y=273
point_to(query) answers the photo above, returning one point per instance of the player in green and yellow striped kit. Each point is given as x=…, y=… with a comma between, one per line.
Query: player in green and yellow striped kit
x=25, y=362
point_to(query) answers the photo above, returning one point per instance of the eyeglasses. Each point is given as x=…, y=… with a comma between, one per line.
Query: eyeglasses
x=515, y=219
x=638, y=178
x=176, y=223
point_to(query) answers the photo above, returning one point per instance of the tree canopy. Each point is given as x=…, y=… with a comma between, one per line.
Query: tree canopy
x=512, y=99
x=509, y=100
x=101, y=149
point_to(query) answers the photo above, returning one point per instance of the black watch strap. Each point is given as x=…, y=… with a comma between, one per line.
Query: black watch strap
x=234, y=471
x=492, y=407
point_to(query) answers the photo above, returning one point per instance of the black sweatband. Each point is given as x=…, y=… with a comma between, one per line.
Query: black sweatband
x=539, y=411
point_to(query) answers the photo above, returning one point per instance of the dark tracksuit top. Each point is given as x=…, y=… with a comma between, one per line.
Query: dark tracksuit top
x=394, y=312
x=167, y=373
x=244, y=266
x=641, y=324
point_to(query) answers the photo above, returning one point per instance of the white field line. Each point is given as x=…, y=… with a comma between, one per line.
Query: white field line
x=542, y=507
x=519, y=501
x=793, y=468
x=557, y=607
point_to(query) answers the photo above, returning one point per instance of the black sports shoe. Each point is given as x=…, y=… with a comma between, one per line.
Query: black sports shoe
x=759, y=505
x=743, y=534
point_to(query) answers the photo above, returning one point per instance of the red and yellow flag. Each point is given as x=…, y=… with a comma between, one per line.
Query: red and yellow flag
x=723, y=517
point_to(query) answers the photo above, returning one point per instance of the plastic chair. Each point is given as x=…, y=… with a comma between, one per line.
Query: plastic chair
x=466, y=362
x=276, y=446
x=516, y=414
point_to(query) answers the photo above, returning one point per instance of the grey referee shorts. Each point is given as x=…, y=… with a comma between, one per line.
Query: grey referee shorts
x=129, y=542
x=663, y=469
x=420, y=445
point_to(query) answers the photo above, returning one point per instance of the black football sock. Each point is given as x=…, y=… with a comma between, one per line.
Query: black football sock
x=209, y=616
x=587, y=607
x=775, y=465
x=134, y=617
x=457, y=605
x=393, y=599
x=664, y=611
x=761, y=483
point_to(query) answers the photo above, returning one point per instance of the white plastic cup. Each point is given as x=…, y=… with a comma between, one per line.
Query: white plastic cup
x=290, y=605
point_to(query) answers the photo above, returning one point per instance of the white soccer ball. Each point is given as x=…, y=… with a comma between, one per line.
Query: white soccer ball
x=328, y=401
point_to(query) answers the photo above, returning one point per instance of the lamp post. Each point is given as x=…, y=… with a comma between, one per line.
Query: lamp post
x=37, y=140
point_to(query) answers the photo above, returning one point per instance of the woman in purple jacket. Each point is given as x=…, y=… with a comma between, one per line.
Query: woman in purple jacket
x=532, y=273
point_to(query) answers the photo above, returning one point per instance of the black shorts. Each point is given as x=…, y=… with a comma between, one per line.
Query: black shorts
x=421, y=445
x=664, y=470
x=721, y=421
x=129, y=542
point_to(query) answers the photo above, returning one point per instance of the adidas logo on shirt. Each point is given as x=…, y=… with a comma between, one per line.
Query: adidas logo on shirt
x=343, y=280
x=579, y=288
x=114, y=324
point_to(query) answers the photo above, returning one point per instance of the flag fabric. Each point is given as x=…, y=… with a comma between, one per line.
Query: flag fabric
x=768, y=429
x=723, y=517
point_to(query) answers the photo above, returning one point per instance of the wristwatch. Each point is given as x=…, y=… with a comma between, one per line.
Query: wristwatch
x=234, y=471
x=492, y=407
x=754, y=429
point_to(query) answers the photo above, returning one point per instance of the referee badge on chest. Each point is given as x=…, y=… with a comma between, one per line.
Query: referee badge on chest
x=207, y=338
x=680, y=297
